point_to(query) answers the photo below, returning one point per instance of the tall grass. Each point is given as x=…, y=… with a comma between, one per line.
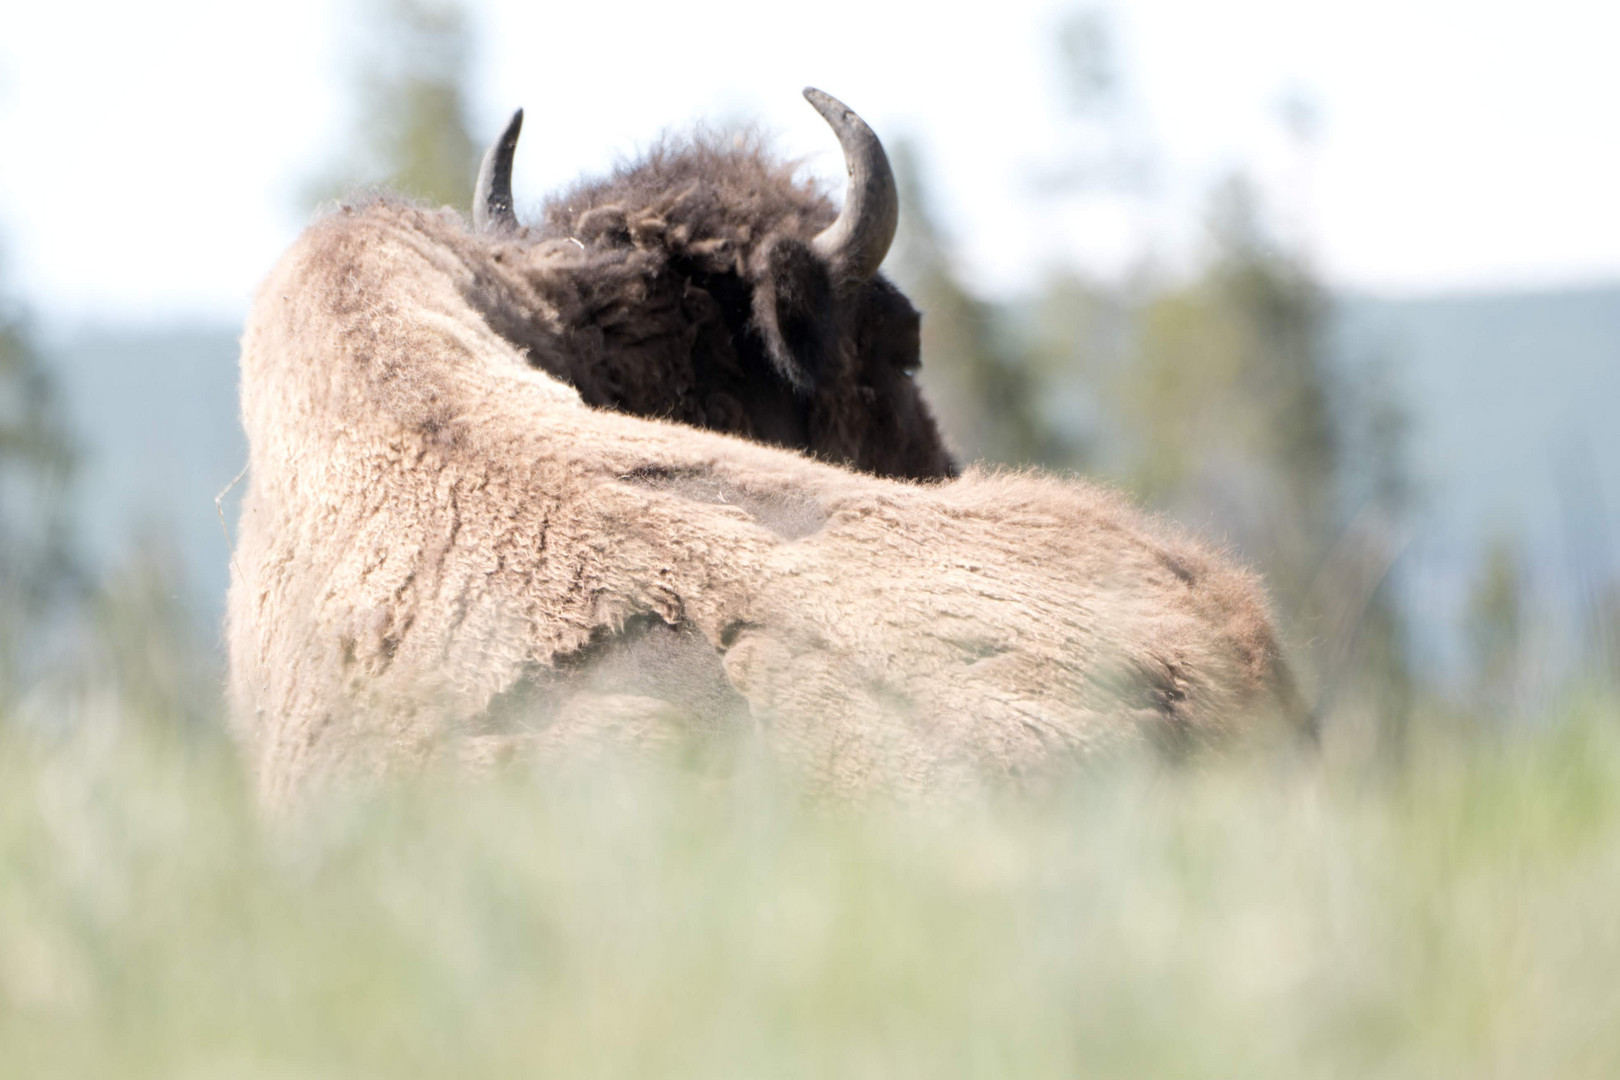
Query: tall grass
x=1457, y=917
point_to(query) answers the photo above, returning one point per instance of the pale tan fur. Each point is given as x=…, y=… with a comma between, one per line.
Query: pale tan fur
x=429, y=516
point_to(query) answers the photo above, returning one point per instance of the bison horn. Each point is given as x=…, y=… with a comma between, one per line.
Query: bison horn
x=492, y=201
x=857, y=242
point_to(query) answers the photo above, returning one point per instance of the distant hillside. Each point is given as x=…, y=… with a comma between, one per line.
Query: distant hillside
x=1511, y=400
x=155, y=412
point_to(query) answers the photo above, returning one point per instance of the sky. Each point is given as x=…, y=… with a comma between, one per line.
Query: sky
x=152, y=156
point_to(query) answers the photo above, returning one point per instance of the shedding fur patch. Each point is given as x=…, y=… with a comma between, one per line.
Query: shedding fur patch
x=674, y=668
x=790, y=515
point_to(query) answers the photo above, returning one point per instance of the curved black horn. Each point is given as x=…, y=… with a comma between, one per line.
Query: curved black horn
x=858, y=240
x=492, y=198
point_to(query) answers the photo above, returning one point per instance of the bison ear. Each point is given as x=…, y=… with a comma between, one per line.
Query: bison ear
x=793, y=312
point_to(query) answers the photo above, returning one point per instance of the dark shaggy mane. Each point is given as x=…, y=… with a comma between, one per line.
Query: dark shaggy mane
x=710, y=196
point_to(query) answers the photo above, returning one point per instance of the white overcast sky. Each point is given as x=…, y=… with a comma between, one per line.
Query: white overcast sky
x=151, y=154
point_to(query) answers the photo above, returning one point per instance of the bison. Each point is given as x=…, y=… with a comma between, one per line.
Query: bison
x=485, y=520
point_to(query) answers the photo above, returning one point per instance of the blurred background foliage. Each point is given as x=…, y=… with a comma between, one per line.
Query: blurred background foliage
x=1211, y=394
x=411, y=78
x=124, y=640
x=37, y=571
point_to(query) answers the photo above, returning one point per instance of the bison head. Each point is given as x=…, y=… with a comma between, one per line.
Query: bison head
x=704, y=284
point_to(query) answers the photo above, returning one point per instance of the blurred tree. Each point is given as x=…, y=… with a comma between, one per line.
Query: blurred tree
x=1590, y=559
x=1227, y=397
x=37, y=571
x=976, y=372
x=66, y=638
x=1216, y=397
x=1496, y=625
x=144, y=649
x=1102, y=149
x=411, y=81
x=1088, y=64
x=1237, y=417
x=1608, y=634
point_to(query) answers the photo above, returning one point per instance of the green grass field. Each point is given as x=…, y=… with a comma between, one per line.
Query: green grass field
x=1455, y=916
